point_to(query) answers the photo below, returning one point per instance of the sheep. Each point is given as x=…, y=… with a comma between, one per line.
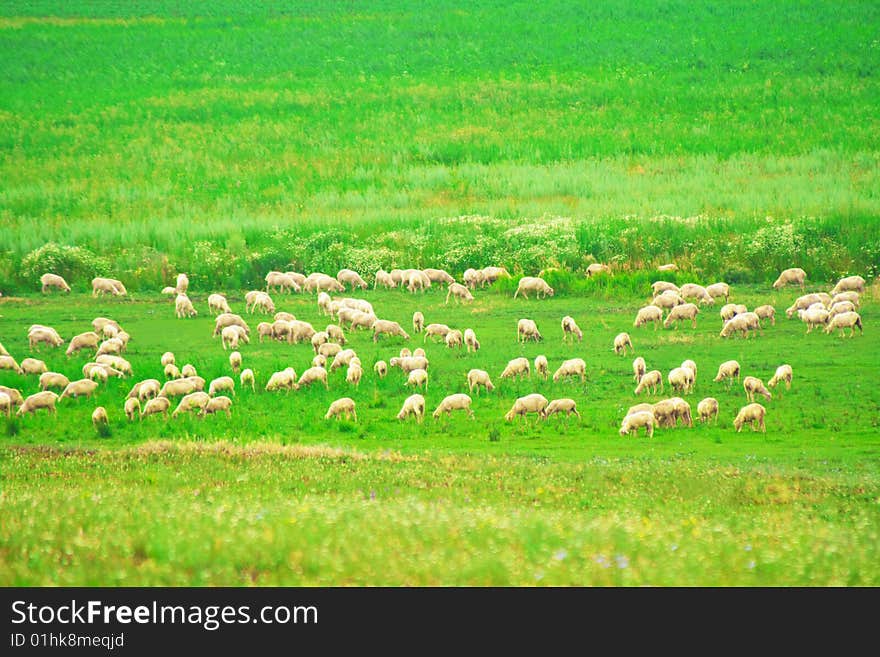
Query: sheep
x=534, y=403
x=115, y=365
x=752, y=414
x=380, y=367
x=112, y=346
x=156, y=406
x=418, y=352
x=852, y=297
x=659, y=287
x=105, y=285
x=413, y=405
x=635, y=421
x=79, y=388
x=329, y=349
x=691, y=365
x=708, y=409
x=454, y=339
x=144, y=389
x=100, y=322
x=178, y=387
x=318, y=282
x=597, y=268
x=109, y=331
x=53, y=280
x=324, y=303
x=564, y=405
x=731, y=310
x=33, y=366
x=343, y=358
x=169, y=291
x=682, y=312
x=5, y=404
x=814, y=316
x=794, y=276
x=570, y=328
x=621, y=342
x=221, y=384
x=386, y=327
x=717, y=290
x=99, y=416
x=664, y=413
x=37, y=401
x=783, y=373
x=283, y=316
x=225, y=320
x=194, y=401
x=188, y=371
x=44, y=335
x=518, y=367
x=300, y=331
x=533, y=284
x=171, y=371
x=681, y=379
x=470, y=340
x=436, y=330
x=477, y=378
x=417, y=377
x=343, y=407
x=262, y=302
x=570, y=368
x=283, y=380
x=418, y=322
x=526, y=329
x=352, y=278
x=319, y=338
x=96, y=372
x=217, y=405
x=354, y=373
x=753, y=385
x=53, y=380
x=417, y=280
x=183, y=307
x=805, y=301
x=681, y=411
x=492, y=274
x=182, y=283
x=841, y=307
x=668, y=267
x=843, y=321
x=649, y=313
x=8, y=363
x=359, y=319
x=456, y=402
x=639, y=368
x=218, y=304
x=474, y=277
x=231, y=335
x=459, y=292
x=298, y=278
x=743, y=323
x=438, y=276
x=282, y=281
x=766, y=312
x=849, y=284
x=667, y=300
x=729, y=369
x=13, y=394
x=383, y=279
x=694, y=291
x=247, y=378
x=640, y=407
x=335, y=334
x=124, y=338
x=650, y=380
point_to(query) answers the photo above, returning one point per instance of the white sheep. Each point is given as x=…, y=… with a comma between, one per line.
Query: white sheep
x=182, y=284
x=571, y=329
x=814, y=316
x=635, y=421
x=681, y=379
x=178, y=387
x=336, y=334
x=492, y=274
x=132, y=408
x=53, y=280
x=708, y=409
x=98, y=373
x=409, y=363
x=354, y=373
x=387, y=327
x=53, y=380
x=417, y=280
x=542, y=366
x=518, y=367
x=343, y=407
x=639, y=368
x=729, y=369
x=456, y=402
x=717, y=290
x=667, y=300
x=352, y=278
x=413, y=405
x=384, y=279
x=691, y=365
x=731, y=310
x=682, y=411
x=685, y=311
x=283, y=380
x=312, y=375
x=436, y=330
x=231, y=335
x=221, y=384
x=112, y=346
x=560, y=406
x=217, y=304
x=44, y=335
x=156, y=406
x=262, y=302
x=659, y=287
x=225, y=320
x=649, y=313
x=477, y=378
x=639, y=408
x=664, y=413
x=841, y=307
x=107, y=285
x=794, y=276
x=188, y=371
x=418, y=352
x=459, y=292
x=753, y=415
x=319, y=282
x=329, y=349
x=746, y=323
x=183, y=307
x=526, y=329
x=380, y=367
x=194, y=401
x=5, y=404
x=169, y=291
x=783, y=373
x=766, y=312
x=597, y=268
x=144, y=389
x=621, y=342
x=99, y=416
x=278, y=280
x=843, y=321
x=849, y=284
x=14, y=395
x=534, y=403
x=668, y=267
x=852, y=297
x=171, y=371
x=38, y=401
x=33, y=366
x=298, y=278
x=473, y=277
x=571, y=368
x=651, y=380
x=79, y=388
x=438, y=276
x=247, y=378
x=470, y=340
x=805, y=301
x=694, y=291
x=417, y=378
x=319, y=361
x=343, y=358
x=454, y=339
x=217, y=405
x=753, y=385
x=533, y=284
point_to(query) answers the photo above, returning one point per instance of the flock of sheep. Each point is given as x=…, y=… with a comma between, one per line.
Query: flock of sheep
x=108, y=340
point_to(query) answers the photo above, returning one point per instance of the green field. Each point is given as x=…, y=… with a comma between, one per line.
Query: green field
x=227, y=139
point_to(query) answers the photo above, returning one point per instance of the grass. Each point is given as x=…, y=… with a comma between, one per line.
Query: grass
x=448, y=502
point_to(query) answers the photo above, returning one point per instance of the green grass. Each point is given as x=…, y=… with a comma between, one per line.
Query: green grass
x=277, y=495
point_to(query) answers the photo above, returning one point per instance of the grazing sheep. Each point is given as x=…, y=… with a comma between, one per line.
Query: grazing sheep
x=650, y=380
x=668, y=267
x=681, y=379
x=492, y=274
x=383, y=279
x=474, y=277
x=417, y=280
x=8, y=363
x=783, y=373
x=409, y=363
x=456, y=402
x=283, y=316
x=156, y=406
x=53, y=280
x=194, y=401
x=230, y=336
x=560, y=406
x=221, y=384
x=682, y=312
x=13, y=394
x=53, y=380
x=360, y=319
x=667, y=300
x=533, y=284
x=312, y=375
x=282, y=282
x=731, y=310
x=691, y=365
x=132, y=408
x=352, y=278
x=33, y=366
x=436, y=330
x=387, y=327
x=169, y=291
x=343, y=358
x=805, y=301
x=99, y=416
x=542, y=367
x=534, y=403
x=318, y=282
x=100, y=322
x=518, y=367
x=570, y=368
x=319, y=361
x=96, y=372
x=324, y=303
x=707, y=409
x=753, y=385
x=263, y=302
x=335, y=333
x=342, y=408
x=849, y=284
x=5, y=404
x=283, y=380
x=112, y=346
x=843, y=321
x=621, y=342
x=183, y=307
x=570, y=328
x=298, y=278
x=380, y=367
x=37, y=401
x=681, y=411
x=354, y=373
x=526, y=329
x=167, y=359
x=717, y=290
x=650, y=313
x=841, y=307
x=744, y=323
x=635, y=421
x=247, y=378
x=418, y=322
x=727, y=370
x=852, y=297
x=418, y=352
x=413, y=405
x=814, y=316
x=217, y=304
x=766, y=312
x=319, y=338
x=144, y=389
x=477, y=378
x=44, y=335
x=417, y=378
x=178, y=387
x=640, y=407
x=694, y=291
x=438, y=276
x=405, y=352
x=188, y=371
x=752, y=414
x=217, y=405
x=79, y=388
x=664, y=413
x=794, y=276
x=659, y=287
x=470, y=340
x=235, y=361
x=639, y=368
x=459, y=292
x=182, y=284
x=107, y=285
x=329, y=349
x=171, y=371
x=226, y=320
x=597, y=268
x=454, y=339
